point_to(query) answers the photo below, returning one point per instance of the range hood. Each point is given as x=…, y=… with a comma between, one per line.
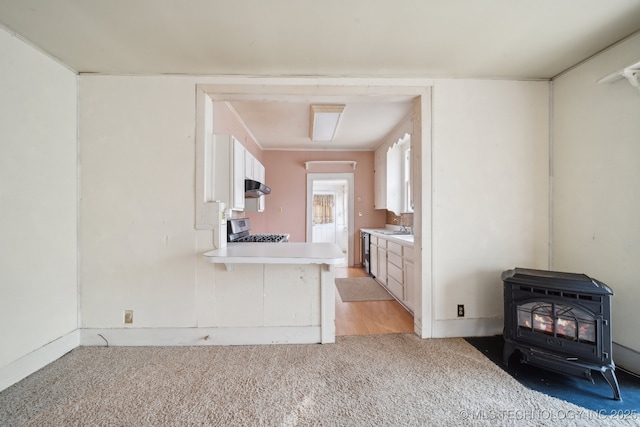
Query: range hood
x=253, y=189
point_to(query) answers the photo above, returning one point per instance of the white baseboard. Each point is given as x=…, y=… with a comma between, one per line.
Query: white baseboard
x=627, y=359
x=38, y=359
x=200, y=336
x=467, y=328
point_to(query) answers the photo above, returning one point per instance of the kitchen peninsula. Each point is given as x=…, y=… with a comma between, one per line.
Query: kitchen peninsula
x=285, y=291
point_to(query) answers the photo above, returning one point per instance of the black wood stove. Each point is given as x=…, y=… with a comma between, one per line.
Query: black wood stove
x=559, y=321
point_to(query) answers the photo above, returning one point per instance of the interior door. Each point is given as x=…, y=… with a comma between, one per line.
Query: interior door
x=324, y=218
x=341, y=231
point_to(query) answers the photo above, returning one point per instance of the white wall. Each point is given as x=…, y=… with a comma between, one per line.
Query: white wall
x=596, y=191
x=38, y=202
x=140, y=251
x=490, y=196
x=139, y=246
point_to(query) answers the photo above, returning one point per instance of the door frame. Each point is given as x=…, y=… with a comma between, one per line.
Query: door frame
x=349, y=177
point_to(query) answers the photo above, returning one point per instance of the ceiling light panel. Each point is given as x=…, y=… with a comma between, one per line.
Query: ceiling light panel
x=324, y=121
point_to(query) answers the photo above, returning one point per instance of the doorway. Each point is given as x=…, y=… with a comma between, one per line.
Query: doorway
x=330, y=211
x=289, y=89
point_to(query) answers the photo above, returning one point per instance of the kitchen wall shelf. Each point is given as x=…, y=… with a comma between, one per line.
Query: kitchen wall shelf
x=330, y=162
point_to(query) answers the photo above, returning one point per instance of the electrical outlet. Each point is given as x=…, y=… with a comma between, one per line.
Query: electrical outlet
x=128, y=316
x=460, y=310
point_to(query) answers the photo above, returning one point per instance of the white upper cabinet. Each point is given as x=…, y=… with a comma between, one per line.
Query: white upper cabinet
x=248, y=165
x=227, y=159
x=258, y=171
x=380, y=178
x=237, y=175
x=253, y=169
x=394, y=184
x=392, y=177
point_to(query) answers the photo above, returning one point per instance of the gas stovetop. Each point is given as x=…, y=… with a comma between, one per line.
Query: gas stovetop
x=238, y=232
x=270, y=238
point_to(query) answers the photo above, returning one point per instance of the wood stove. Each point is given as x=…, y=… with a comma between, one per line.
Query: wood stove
x=559, y=321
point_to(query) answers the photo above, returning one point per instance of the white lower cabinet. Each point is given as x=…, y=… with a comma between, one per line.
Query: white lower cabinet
x=382, y=265
x=373, y=256
x=396, y=288
x=382, y=261
x=395, y=282
x=409, y=284
x=392, y=264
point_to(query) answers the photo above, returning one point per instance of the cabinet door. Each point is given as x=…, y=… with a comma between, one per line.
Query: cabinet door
x=258, y=171
x=409, y=285
x=395, y=248
x=396, y=288
x=382, y=266
x=394, y=271
x=373, y=260
x=394, y=180
x=248, y=165
x=237, y=178
x=380, y=178
x=380, y=185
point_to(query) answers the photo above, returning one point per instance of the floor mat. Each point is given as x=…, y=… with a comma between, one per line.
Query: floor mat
x=361, y=289
x=597, y=397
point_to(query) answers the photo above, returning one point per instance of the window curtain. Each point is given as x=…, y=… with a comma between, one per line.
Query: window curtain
x=323, y=208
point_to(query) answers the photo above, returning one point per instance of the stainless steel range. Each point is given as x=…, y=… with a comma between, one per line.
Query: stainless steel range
x=238, y=232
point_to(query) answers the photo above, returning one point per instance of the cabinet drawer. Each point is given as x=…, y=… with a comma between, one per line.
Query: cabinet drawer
x=395, y=272
x=408, y=253
x=394, y=247
x=382, y=242
x=395, y=288
x=394, y=259
x=373, y=239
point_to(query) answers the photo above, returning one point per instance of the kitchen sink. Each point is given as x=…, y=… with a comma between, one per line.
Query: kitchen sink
x=395, y=233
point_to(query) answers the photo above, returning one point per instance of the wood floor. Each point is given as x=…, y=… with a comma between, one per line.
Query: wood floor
x=369, y=317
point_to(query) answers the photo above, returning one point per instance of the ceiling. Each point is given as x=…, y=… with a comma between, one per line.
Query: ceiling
x=284, y=125
x=502, y=39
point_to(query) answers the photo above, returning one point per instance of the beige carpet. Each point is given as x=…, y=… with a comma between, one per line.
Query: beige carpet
x=361, y=289
x=390, y=380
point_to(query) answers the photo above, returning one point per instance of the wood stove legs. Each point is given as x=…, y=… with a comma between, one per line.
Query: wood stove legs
x=610, y=375
x=507, y=351
x=561, y=365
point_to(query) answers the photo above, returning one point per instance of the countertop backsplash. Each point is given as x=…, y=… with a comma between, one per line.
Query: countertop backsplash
x=405, y=219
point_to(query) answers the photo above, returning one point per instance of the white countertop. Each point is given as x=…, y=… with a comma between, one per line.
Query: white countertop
x=406, y=239
x=276, y=253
